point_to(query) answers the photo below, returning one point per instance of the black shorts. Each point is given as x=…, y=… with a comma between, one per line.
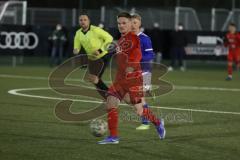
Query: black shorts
x=97, y=67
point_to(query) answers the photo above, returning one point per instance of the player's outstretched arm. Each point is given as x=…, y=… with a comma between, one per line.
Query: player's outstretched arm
x=77, y=44
x=106, y=37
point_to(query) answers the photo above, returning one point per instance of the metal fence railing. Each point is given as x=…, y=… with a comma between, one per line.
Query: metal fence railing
x=217, y=19
x=214, y=19
x=13, y=12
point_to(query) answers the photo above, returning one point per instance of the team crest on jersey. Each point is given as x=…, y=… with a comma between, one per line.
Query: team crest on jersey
x=124, y=45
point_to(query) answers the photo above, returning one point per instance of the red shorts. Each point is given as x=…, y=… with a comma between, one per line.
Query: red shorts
x=234, y=55
x=132, y=86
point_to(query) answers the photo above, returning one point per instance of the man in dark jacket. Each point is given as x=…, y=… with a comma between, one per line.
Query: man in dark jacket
x=178, y=44
x=58, y=39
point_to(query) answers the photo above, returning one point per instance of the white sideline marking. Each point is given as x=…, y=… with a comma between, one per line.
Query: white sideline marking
x=175, y=86
x=16, y=92
x=207, y=88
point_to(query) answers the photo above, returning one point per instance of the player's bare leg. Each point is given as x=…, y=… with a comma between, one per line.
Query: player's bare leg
x=145, y=123
x=147, y=91
x=93, y=78
x=96, y=70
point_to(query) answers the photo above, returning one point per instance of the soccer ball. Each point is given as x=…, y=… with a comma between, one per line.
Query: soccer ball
x=98, y=127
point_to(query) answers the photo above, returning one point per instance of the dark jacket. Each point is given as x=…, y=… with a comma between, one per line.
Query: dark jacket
x=178, y=39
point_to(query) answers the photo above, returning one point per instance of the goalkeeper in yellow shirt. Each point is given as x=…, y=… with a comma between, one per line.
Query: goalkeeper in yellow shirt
x=95, y=42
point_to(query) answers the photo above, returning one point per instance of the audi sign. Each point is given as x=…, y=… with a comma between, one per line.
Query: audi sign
x=18, y=40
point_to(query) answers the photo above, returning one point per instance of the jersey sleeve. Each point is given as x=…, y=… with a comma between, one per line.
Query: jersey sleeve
x=147, y=46
x=135, y=51
x=135, y=55
x=105, y=36
x=77, y=43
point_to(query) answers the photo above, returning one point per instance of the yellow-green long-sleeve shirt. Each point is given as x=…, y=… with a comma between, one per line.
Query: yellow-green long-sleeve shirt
x=92, y=40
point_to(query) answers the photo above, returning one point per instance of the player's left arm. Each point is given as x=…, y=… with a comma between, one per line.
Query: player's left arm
x=106, y=37
x=77, y=43
x=134, y=55
x=147, y=44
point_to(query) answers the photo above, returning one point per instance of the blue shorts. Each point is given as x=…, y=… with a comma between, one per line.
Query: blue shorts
x=146, y=66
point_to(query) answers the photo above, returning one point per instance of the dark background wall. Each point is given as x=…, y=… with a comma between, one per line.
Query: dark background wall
x=87, y=4
x=160, y=43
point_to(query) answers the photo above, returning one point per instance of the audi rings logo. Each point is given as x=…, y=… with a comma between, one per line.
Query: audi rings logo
x=18, y=40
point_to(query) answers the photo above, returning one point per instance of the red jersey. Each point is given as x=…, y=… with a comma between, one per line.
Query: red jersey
x=128, y=54
x=232, y=41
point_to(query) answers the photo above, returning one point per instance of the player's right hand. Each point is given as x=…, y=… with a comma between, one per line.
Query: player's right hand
x=96, y=53
x=75, y=51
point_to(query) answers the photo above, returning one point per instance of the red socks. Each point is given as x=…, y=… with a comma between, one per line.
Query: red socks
x=230, y=70
x=150, y=116
x=113, y=121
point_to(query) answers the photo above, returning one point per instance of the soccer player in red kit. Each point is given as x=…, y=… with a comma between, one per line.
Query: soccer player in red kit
x=232, y=41
x=128, y=83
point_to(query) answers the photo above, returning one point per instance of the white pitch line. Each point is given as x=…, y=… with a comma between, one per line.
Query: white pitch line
x=177, y=87
x=207, y=88
x=22, y=77
x=16, y=92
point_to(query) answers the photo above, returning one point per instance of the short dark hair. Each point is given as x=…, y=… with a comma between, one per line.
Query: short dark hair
x=232, y=24
x=124, y=14
x=83, y=13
